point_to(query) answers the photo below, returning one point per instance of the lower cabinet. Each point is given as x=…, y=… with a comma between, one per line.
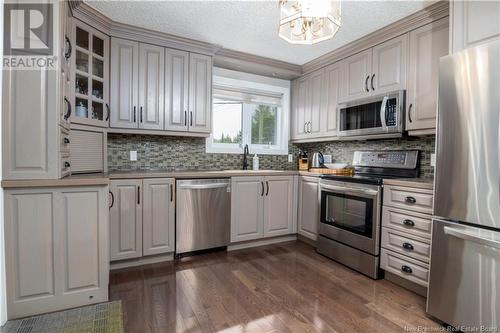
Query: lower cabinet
x=262, y=207
x=308, y=207
x=56, y=243
x=142, y=217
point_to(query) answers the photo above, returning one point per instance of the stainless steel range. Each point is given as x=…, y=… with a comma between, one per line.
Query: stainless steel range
x=349, y=228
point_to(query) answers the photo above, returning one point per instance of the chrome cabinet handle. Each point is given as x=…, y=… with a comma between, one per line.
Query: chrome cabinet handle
x=409, y=223
x=305, y=130
x=267, y=188
x=66, y=140
x=185, y=118
x=171, y=192
x=140, y=114
x=191, y=118
x=409, y=113
x=134, y=114
x=138, y=195
x=407, y=246
x=262, y=193
x=67, y=164
x=406, y=269
x=410, y=200
x=310, y=127
x=69, y=50
x=68, y=108
x=366, y=83
x=107, y=108
x=373, y=76
x=112, y=199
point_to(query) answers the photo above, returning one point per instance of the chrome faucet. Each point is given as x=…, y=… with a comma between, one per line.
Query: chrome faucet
x=245, y=157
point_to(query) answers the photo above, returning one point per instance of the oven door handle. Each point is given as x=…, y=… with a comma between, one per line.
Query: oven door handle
x=350, y=190
x=383, y=112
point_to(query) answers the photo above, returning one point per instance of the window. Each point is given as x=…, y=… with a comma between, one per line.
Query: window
x=244, y=114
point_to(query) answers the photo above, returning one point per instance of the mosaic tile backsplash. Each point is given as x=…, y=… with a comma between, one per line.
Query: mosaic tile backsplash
x=184, y=153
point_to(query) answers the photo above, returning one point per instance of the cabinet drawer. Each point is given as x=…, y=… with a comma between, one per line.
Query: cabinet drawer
x=64, y=137
x=410, y=223
x=419, y=200
x=418, y=248
x=405, y=267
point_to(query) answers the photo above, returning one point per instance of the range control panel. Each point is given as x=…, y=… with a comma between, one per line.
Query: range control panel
x=400, y=159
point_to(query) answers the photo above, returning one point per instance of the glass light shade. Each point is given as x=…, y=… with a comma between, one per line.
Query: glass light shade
x=309, y=21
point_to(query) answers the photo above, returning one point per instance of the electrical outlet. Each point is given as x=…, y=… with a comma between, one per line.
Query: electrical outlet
x=433, y=160
x=290, y=158
x=133, y=155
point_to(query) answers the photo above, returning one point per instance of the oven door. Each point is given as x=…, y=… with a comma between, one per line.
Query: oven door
x=350, y=214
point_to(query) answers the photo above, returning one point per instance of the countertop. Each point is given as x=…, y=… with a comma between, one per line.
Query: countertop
x=96, y=179
x=424, y=183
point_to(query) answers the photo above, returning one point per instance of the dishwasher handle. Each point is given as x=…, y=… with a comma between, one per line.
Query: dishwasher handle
x=202, y=186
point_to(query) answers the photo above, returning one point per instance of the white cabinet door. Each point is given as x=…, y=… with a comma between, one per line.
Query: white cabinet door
x=247, y=208
x=176, y=90
x=126, y=219
x=124, y=83
x=308, y=207
x=200, y=93
x=83, y=219
x=358, y=71
x=294, y=91
x=302, y=114
x=389, y=66
x=56, y=244
x=158, y=216
x=331, y=92
x=473, y=23
x=151, y=86
x=278, y=206
x=427, y=45
x=315, y=91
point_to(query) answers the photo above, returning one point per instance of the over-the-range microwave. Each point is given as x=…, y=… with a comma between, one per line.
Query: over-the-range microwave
x=374, y=117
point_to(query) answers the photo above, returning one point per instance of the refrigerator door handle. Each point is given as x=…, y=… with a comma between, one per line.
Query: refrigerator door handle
x=471, y=237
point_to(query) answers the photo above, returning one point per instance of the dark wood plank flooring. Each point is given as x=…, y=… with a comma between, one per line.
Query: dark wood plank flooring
x=286, y=287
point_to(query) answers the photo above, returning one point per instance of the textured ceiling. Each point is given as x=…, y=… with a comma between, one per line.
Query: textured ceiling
x=251, y=26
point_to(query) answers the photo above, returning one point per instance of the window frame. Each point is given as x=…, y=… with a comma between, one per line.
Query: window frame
x=255, y=82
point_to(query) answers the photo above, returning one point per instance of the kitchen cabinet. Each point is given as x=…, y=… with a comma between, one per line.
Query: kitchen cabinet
x=308, y=211
x=124, y=83
x=142, y=217
x=473, y=23
x=35, y=115
x=151, y=86
x=125, y=217
x=427, y=45
x=375, y=71
x=90, y=76
x=200, y=93
x=278, y=206
x=261, y=207
x=314, y=107
x=56, y=248
x=158, y=211
x=176, y=90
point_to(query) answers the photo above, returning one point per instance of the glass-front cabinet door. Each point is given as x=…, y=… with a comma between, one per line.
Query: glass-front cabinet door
x=90, y=76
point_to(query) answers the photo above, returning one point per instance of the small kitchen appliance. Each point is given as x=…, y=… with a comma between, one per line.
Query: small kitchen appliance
x=317, y=160
x=303, y=161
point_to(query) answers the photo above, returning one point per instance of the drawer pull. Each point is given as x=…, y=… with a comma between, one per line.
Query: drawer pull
x=67, y=165
x=408, y=223
x=66, y=140
x=407, y=246
x=406, y=269
x=411, y=200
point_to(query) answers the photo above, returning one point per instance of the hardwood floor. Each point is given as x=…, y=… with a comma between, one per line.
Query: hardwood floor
x=278, y=288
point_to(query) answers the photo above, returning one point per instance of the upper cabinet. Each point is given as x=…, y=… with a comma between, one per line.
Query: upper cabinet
x=154, y=88
x=314, y=103
x=90, y=59
x=375, y=71
x=473, y=22
x=427, y=45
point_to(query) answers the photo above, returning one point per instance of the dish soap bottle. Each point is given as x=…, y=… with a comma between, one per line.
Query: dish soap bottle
x=255, y=162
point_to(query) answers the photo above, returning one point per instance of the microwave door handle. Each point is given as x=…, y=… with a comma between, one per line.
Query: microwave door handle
x=383, y=112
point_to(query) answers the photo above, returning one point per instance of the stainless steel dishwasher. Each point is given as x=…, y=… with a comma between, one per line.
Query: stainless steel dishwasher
x=203, y=214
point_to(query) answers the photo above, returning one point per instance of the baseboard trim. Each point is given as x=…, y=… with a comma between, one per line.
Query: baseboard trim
x=261, y=242
x=306, y=240
x=141, y=261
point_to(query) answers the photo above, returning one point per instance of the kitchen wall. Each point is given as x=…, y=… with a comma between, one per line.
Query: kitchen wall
x=183, y=153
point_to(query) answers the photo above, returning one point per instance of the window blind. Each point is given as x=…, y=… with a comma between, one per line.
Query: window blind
x=229, y=94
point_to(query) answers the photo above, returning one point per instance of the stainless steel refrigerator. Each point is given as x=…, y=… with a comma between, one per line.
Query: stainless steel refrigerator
x=464, y=282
